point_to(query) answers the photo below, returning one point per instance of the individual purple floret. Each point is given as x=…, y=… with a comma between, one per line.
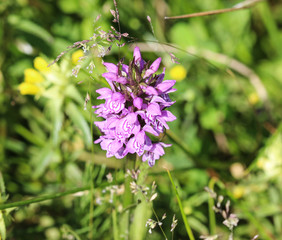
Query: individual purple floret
x=135, y=105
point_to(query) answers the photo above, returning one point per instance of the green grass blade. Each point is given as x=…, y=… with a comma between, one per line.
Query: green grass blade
x=76, y=116
x=187, y=226
x=212, y=220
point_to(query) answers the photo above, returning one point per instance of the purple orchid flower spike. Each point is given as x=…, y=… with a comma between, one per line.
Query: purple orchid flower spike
x=135, y=105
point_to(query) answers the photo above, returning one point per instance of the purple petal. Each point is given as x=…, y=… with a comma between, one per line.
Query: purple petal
x=136, y=144
x=149, y=129
x=129, y=146
x=155, y=65
x=168, y=116
x=126, y=126
x=98, y=140
x=148, y=73
x=121, y=80
x=105, y=144
x=121, y=153
x=158, y=149
x=140, y=137
x=148, y=143
x=151, y=162
x=131, y=117
x=157, y=99
x=111, y=67
x=160, y=123
x=171, y=90
x=110, y=76
x=153, y=68
x=149, y=156
x=118, y=97
x=98, y=106
x=160, y=77
x=111, y=122
x=154, y=109
x=100, y=125
x=104, y=92
x=137, y=102
x=165, y=144
x=165, y=85
x=137, y=55
x=125, y=68
x=151, y=91
x=145, y=157
x=109, y=154
x=115, y=146
x=136, y=128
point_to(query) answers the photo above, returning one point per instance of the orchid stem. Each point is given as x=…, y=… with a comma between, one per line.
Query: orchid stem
x=127, y=198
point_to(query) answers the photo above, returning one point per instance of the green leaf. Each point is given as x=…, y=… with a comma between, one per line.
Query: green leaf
x=210, y=119
x=29, y=136
x=72, y=92
x=77, y=118
x=2, y=227
x=56, y=114
x=2, y=186
x=30, y=27
x=42, y=160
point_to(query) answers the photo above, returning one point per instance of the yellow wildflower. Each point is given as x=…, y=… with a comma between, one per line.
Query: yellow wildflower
x=253, y=98
x=41, y=65
x=178, y=73
x=238, y=192
x=76, y=56
x=32, y=76
x=27, y=88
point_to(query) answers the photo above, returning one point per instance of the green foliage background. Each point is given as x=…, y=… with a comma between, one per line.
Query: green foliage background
x=228, y=112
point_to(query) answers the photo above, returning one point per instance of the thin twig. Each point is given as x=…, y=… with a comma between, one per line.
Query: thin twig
x=42, y=198
x=243, y=5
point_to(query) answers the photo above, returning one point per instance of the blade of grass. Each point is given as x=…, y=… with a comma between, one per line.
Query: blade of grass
x=42, y=198
x=212, y=221
x=187, y=226
x=115, y=225
x=91, y=166
x=271, y=26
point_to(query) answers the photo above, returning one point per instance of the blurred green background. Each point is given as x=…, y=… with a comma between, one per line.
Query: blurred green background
x=228, y=108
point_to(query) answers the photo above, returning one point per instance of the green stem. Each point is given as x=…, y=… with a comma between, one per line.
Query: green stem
x=130, y=162
x=127, y=197
x=91, y=192
x=42, y=198
x=187, y=226
x=2, y=185
x=159, y=222
x=212, y=221
x=115, y=225
x=91, y=195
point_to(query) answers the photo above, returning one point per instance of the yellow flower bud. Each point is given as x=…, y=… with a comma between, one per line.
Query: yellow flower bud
x=28, y=88
x=41, y=65
x=32, y=76
x=178, y=72
x=76, y=55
